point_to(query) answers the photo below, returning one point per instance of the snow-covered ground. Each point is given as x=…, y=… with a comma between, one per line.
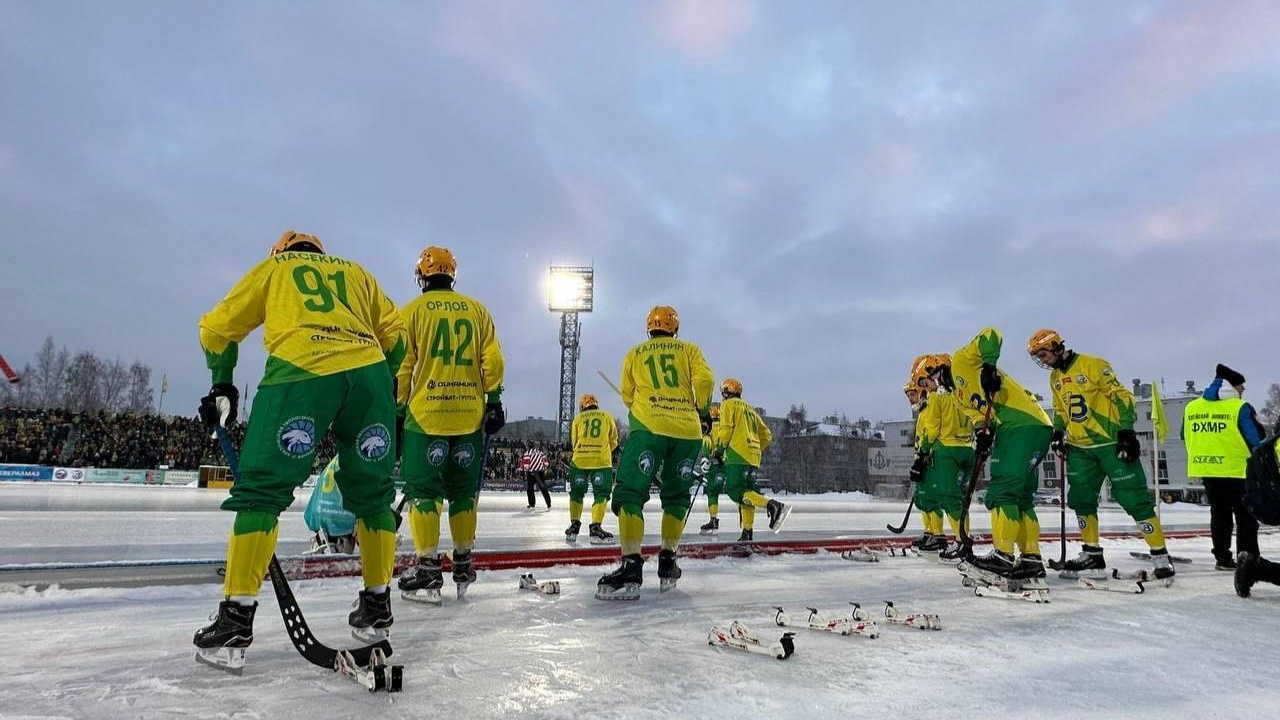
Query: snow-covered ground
x=1190, y=651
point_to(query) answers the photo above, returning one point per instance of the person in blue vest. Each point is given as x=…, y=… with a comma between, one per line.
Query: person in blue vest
x=1220, y=430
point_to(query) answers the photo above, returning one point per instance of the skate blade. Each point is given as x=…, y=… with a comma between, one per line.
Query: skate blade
x=782, y=518
x=370, y=635
x=423, y=597
x=602, y=541
x=626, y=593
x=226, y=659
x=571, y=538
x=462, y=589
x=708, y=532
x=856, y=556
x=1090, y=574
x=667, y=584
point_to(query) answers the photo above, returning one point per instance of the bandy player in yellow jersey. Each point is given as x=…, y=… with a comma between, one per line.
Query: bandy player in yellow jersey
x=944, y=456
x=1093, y=429
x=741, y=438
x=451, y=388
x=666, y=386
x=1012, y=427
x=594, y=437
x=333, y=342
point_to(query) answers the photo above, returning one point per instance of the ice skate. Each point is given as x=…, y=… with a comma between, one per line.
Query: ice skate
x=992, y=575
x=1163, y=565
x=623, y=583
x=571, y=533
x=1089, y=563
x=1029, y=567
x=600, y=536
x=422, y=583
x=746, y=536
x=1247, y=574
x=934, y=544
x=371, y=620
x=668, y=571
x=463, y=573
x=222, y=644
x=956, y=551
x=712, y=527
x=778, y=514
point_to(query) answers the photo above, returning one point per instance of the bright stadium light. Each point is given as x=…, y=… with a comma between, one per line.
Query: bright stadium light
x=570, y=288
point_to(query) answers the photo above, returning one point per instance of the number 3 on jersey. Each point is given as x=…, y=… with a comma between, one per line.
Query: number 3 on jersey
x=445, y=339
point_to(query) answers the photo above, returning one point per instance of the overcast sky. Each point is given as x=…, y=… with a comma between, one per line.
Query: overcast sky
x=823, y=190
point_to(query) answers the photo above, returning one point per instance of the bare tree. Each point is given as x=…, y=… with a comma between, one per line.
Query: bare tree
x=113, y=382
x=1271, y=408
x=9, y=394
x=84, y=389
x=139, y=399
x=25, y=393
x=50, y=376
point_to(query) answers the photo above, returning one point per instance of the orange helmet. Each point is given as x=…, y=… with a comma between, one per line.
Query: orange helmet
x=291, y=239
x=928, y=364
x=731, y=386
x=1043, y=340
x=437, y=261
x=715, y=413
x=588, y=401
x=663, y=318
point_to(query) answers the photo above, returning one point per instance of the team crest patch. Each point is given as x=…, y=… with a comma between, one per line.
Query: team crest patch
x=437, y=452
x=374, y=442
x=686, y=470
x=1080, y=521
x=646, y=463
x=463, y=455
x=297, y=437
x=1146, y=528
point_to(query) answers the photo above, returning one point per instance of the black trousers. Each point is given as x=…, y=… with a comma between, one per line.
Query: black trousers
x=535, y=478
x=1226, y=503
x=1268, y=571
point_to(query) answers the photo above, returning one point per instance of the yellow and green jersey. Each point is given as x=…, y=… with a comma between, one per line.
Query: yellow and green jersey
x=1089, y=402
x=322, y=314
x=1014, y=405
x=943, y=421
x=742, y=433
x=453, y=364
x=708, y=447
x=666, y=382
x=594, y=435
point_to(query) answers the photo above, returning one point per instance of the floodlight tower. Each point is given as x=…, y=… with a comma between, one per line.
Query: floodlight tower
x=570, y=290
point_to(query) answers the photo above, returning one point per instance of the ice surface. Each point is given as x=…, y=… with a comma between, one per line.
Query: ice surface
x=1193, y=650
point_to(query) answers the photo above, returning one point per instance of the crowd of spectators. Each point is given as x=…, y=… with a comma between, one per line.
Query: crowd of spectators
x=105, y=440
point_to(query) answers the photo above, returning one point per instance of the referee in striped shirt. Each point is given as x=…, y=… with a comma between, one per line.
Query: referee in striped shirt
x=534, y=465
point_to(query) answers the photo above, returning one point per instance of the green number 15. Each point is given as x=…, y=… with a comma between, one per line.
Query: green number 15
x=667, y=362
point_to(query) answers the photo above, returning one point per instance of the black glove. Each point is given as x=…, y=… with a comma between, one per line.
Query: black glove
x=494, y=418
x=983, y=439
x=219, y=406
x=990, y=379
x=918, y=467
x=1127, y=448
x=1058, y=443
x=717, y=456
x=705, y=419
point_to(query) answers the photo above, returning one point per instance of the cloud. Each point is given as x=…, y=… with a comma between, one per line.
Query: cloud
x=823, y=193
